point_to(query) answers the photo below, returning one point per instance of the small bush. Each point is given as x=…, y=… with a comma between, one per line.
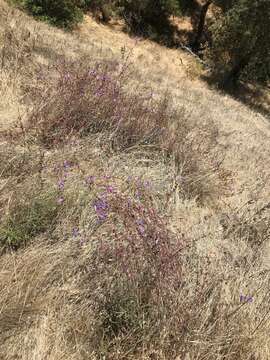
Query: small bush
x=62, y=13
x=132, y=267
x=19, y=162
x=27, y=220
x=102, y=9
x=93, y=100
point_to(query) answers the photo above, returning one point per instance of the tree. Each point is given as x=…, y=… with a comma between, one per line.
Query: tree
x=241, y=43
x=62, y=13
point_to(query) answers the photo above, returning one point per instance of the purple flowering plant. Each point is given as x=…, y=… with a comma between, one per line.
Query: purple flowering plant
x=139, y=235
x=93, y=100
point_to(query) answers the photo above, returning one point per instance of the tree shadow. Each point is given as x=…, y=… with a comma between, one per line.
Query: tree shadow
x=255, y=96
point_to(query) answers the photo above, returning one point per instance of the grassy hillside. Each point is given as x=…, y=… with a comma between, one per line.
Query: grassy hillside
x=135, y=213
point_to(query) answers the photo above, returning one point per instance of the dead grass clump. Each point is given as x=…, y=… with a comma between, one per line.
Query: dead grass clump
x=16, y=47
x=18, y=161
x=16, y=54
x=197, y=162
x=248, y=227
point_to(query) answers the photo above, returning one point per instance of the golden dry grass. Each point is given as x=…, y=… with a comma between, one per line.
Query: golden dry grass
x=46, y=289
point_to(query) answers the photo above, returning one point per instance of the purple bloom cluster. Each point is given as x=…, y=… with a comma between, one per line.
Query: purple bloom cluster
x=61, y=184
x=99, y=93
x=60, y=200
x=141, y=226
x=92, y=73
x=75, y=232
x=101, y=207
x=110, y=189
x=67, y=76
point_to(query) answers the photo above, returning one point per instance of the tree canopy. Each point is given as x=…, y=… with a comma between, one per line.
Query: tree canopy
x=241, y=42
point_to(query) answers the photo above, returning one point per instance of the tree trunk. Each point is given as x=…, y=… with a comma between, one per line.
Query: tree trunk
x=200, y=29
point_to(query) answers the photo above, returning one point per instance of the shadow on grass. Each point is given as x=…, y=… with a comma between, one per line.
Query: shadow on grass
x=255, y=96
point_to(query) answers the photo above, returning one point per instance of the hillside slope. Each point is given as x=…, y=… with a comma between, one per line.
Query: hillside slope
x=63, y=293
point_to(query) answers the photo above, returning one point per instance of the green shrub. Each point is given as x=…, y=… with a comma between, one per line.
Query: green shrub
x=106, y=8
x=28, y=220
x=62, y=13
x=241, y=43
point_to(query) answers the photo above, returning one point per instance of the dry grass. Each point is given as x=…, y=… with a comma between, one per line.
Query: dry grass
x=131, y=243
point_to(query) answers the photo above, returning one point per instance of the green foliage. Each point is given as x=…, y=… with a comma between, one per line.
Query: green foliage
x=107, y=8
x=95, y=4
x=241, y=42
x=28, y=220
x=187, y=7
x=62, y=13
x=225, y=5
x=149, y=17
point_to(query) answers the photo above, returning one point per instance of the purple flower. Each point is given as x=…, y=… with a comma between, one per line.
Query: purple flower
x=60, y=200
x=104, y=77
x=101, y=204
x=66, y=164
x=110, y=189
x=82, y=241
x=67, y=76
x=102, y=216
x=138, y=195
x=92, y=73
x=75, y=232
x=99, y=93
x=141, y=230
x=147, y=184
x=141, y=226
x=101, y=208
x=140, y=222
x=61, y=184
